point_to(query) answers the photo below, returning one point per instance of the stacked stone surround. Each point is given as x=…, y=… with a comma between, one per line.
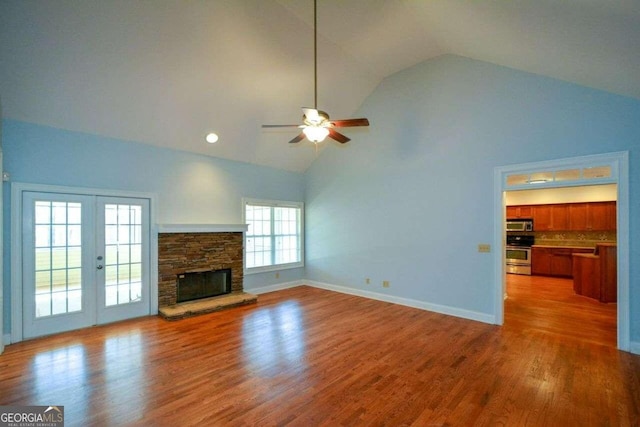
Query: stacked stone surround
x=184, y=252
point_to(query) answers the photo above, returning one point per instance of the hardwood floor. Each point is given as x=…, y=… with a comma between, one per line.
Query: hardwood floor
x=307, y=357
x=548, y=305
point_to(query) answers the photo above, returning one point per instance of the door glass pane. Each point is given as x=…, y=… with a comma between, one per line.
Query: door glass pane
x=123, y=226
x=58, y=287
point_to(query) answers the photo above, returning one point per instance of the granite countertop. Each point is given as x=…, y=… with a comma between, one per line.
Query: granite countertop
x=587, y=255
x=565, y=246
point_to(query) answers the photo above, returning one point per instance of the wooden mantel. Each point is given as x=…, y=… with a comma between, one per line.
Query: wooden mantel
x=202, y=228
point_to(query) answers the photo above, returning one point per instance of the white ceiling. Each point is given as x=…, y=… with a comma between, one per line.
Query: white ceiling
x=166, y=72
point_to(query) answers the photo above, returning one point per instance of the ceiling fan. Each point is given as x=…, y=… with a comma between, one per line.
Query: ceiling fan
x=316, y=123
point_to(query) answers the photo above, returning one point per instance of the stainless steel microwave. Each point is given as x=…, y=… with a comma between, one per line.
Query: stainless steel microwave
x=519, y=225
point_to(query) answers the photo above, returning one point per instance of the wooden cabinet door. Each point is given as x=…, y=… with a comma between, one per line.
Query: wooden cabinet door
x=541, y=261
x=598, y=216
x=518, y=212
x=560, y=217
x=561, y=264
x=593, y=216
x=525, y=212
x=542, y=218
x=578, y=216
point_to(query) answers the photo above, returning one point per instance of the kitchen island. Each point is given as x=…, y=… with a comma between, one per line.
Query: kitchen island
x=595, y=275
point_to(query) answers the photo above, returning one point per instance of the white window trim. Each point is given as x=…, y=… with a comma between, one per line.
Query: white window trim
x=273, y=203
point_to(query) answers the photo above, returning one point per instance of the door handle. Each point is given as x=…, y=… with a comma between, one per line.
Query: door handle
x=99, y=267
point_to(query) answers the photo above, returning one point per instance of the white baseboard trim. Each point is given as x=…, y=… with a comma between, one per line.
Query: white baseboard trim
x=437, y=308
x=634, y=347
x=6, y=339
x=276, y=287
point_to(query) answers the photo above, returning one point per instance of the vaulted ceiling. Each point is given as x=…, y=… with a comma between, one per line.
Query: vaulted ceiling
x=166, y=72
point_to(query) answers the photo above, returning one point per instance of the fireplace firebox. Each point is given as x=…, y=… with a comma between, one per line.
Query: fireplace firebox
x=203, y=284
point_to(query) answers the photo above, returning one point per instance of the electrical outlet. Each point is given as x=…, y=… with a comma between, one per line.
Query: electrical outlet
x=385, y=283
x=367, y=281
x=484, y=247
x=277, y=275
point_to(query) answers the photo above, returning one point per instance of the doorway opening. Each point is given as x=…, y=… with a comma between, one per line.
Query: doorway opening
x=611, y=168
x=554, y=295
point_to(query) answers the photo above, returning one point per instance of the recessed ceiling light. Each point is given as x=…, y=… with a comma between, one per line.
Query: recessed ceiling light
x=212, y=137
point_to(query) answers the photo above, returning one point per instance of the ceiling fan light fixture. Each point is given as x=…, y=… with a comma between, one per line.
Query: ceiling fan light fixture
x=315, y=133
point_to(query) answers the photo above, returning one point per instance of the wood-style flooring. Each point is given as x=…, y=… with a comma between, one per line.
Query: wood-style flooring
x=307, y=357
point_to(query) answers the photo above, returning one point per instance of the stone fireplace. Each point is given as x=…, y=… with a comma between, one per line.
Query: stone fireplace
x=183, y=250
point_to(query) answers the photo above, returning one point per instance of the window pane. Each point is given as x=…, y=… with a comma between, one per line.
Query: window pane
x=43, y=212
x=597, y=172
x=73, y=213
x=59, y=210
x=58, y=258
x=273, y=235
x=73, y=235
x=43, y=259
x=111, y=214
x=43, y=236
x=123, y=252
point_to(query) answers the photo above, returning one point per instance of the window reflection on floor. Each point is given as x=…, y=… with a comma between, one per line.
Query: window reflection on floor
x=124, y=385
x=273, y=340
x=61, y=372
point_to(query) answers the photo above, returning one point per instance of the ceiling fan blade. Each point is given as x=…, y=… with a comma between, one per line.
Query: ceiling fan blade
x=334, y=134
x=350, y=123
x=280, y=126
x=311, y=114
x=297, y=138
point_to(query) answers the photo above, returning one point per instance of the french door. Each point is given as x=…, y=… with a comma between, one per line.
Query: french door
x=85, y=261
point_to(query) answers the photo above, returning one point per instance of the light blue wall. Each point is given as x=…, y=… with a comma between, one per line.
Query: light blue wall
x=410, y=200
x=190, y=188
x=406, y=201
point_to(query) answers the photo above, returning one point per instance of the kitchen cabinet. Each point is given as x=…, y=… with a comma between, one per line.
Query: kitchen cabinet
x=551, y=217
x=561, y=263
x=554, y=261
x=595, y=216
x=592, y=216
x=541, y=261
x=518, y=212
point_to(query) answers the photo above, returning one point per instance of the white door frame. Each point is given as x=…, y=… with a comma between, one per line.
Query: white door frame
x=620, y=176
x=2, y=337
x=17, y=188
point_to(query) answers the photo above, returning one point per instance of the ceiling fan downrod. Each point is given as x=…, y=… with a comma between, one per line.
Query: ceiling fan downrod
x=315, y=54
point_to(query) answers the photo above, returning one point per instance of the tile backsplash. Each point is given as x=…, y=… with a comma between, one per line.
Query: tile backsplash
x=574, y=238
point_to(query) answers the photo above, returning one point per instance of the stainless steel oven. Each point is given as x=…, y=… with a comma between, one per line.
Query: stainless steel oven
x=518, y=254
x=518, y=260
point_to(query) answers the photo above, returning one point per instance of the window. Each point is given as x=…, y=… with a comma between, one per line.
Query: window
x=274, y=239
